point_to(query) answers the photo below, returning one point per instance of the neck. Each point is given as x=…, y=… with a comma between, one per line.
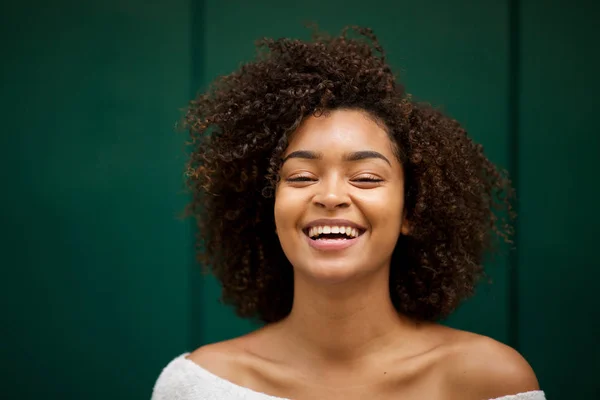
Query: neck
x=342, y=323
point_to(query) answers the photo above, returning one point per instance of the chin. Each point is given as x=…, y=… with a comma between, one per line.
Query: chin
x=331, y=273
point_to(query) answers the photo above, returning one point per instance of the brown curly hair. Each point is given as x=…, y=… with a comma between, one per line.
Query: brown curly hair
x=239, y=130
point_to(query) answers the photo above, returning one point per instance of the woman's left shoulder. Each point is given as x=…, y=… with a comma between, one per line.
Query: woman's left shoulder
x=480, y=367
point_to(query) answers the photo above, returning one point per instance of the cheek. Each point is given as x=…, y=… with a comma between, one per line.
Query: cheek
x=384, y=213
x=288, y=209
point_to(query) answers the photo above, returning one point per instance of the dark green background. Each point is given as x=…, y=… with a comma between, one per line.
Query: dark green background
x=100, y=289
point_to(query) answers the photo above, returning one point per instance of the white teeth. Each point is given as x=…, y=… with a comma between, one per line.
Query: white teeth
x=345, y=230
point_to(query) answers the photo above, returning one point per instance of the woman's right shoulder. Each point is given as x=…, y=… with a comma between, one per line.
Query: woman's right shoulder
x=221, y=358
x=199, y=374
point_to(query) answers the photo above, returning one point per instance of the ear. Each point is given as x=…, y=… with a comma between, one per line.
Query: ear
x=405, y=228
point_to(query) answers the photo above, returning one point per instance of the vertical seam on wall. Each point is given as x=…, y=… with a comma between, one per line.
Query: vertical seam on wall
x=513, y=159
x=196, y=8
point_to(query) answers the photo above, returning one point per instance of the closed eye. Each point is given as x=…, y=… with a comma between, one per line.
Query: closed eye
x=368, y=180
x=301, y=179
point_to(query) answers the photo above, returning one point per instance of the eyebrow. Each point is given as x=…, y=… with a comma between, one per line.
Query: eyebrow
x=354, y=156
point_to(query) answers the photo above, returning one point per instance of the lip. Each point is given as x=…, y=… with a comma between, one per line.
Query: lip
x=333, y=244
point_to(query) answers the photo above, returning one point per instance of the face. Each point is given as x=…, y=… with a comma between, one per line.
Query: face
x=339, y=202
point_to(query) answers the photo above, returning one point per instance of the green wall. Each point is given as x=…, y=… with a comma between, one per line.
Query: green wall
x=95, y=261
x=100, y=287
x=559, y=145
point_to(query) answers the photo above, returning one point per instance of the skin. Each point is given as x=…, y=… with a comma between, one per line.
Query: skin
x=343, y=338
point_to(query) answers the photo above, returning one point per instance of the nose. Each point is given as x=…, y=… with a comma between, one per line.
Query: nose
x=331, y=194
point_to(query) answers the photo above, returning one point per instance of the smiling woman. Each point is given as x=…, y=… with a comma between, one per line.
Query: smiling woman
x=349, y=219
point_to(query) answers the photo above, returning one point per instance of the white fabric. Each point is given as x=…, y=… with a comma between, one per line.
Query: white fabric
x=183, y=379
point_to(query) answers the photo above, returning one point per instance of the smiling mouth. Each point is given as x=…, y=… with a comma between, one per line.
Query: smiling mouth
x=342, y=233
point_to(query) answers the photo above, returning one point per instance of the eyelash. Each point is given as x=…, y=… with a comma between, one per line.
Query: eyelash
x=300, y=179
x=369, y=179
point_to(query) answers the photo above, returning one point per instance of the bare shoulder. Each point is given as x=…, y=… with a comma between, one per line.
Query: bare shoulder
x=226, y=359
x=245, y=361
x=478, y=367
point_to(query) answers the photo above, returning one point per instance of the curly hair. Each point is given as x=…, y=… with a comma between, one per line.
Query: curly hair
x=239, y=129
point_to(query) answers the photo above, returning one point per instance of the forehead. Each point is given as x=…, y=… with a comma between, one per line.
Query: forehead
x=341, y=131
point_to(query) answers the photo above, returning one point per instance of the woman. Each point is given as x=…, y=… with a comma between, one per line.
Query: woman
x=349, y=219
